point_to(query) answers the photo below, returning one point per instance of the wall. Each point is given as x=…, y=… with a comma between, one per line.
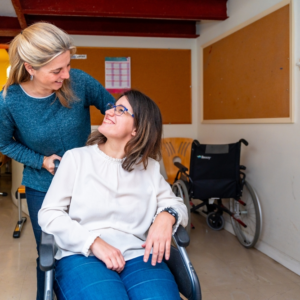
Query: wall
x=4, y=64
x=162, y=43
x=272, y=156
x=189, y=130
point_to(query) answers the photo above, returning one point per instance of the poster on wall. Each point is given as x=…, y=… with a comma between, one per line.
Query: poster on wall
x=117, y=74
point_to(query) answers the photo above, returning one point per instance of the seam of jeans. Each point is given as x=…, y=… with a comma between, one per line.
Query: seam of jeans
x=60, y=289
x=72, y=269
x=110, y=280
x=143, y=270
x=159, y=298
x=161, y=279
x=131, y=263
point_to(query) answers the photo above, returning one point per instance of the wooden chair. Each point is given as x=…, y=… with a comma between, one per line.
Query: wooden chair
x=175, y=150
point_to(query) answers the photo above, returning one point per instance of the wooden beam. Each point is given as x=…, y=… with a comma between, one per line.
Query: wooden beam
x=9, y=32
x=150, y=9
x=120, y=27
x=19, y=12
x=5, y=39
x=9, y=27
x=4, y=46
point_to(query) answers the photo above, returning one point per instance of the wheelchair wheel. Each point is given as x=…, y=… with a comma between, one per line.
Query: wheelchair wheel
x=215, y=221
x=180, y=190
x=250, y=214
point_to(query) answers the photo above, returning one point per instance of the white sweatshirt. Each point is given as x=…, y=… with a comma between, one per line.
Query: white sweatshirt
x=92, y=196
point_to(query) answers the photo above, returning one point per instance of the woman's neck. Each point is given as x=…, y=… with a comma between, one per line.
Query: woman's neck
x=35, y=90
x=113, y=149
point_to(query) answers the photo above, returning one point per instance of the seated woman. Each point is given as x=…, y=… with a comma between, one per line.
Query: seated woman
x=112, y=213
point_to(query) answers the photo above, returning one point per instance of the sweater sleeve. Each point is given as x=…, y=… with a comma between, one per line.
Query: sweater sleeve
x=53, y=216
x=166, y=198
x=10, y=147
x=96, y=94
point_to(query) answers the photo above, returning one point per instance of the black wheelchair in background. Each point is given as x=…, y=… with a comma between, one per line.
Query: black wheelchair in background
x=179, y=263
x=216, y=174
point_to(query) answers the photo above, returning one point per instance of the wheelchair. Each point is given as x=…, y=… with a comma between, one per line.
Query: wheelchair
x=216, y=174
x=179, y=263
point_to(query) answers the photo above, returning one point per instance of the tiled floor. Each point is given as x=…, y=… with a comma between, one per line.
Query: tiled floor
x=226, y=270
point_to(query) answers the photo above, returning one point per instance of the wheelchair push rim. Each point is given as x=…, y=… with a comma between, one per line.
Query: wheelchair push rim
x=250, y=215
x=180, y=190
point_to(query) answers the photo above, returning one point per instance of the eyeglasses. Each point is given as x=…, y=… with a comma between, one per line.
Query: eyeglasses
x=119, y=109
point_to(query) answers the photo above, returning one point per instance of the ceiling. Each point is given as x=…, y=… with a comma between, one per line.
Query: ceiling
x=143, y=18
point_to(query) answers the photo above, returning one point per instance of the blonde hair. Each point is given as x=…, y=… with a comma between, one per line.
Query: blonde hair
x=38, y=45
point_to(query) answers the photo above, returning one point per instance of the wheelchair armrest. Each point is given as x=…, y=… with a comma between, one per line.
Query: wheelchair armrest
x=182, y=268
x=47, y=252
x=181, y=236
x=180, y=167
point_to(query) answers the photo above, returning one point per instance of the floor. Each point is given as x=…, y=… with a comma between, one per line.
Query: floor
x=225, y=269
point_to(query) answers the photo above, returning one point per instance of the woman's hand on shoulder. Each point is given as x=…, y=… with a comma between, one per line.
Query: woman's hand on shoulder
x=111, y=256
x=159, y=238
x=48, y=163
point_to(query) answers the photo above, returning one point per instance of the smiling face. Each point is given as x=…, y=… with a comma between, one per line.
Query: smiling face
x=118, y=127
x=51, y=76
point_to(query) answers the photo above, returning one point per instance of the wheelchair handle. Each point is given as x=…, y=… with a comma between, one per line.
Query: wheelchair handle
x=56, y=164
x=180, y=167
x=244, y=142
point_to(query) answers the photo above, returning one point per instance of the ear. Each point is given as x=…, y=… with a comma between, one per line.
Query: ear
x=133, y=133
x=29, y=68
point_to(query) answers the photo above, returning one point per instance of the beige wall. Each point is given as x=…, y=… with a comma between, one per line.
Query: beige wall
x=162, y=43
x=272, y=157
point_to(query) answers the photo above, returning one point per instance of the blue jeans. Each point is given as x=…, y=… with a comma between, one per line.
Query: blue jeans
x=35, y=200
x=86, y=278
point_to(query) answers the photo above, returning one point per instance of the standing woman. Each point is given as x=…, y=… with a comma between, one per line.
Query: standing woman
x=44, y=109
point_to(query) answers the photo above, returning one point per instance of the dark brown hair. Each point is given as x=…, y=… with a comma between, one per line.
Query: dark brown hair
x=148, y=123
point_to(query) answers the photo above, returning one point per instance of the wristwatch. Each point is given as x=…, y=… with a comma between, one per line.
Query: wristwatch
x=173, y=212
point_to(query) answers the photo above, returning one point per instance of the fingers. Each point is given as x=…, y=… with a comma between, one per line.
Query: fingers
x=48, y=163
x=121, y=263
x=148, y=247
x=54, y=156
x=168, y=250
x=158, y=252
x=155, y=254
x=111, y=256
x=115, y=264
x=115, y=261
x=159, y=249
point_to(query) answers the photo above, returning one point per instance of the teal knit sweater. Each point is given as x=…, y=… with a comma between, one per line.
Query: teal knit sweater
x=31, y=128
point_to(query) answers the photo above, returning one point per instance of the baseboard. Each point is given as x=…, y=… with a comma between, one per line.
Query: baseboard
x=285, y=260
x=273, y=253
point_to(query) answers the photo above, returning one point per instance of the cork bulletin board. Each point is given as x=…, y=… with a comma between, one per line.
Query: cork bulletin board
x=247, y=74
x=162, y=74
